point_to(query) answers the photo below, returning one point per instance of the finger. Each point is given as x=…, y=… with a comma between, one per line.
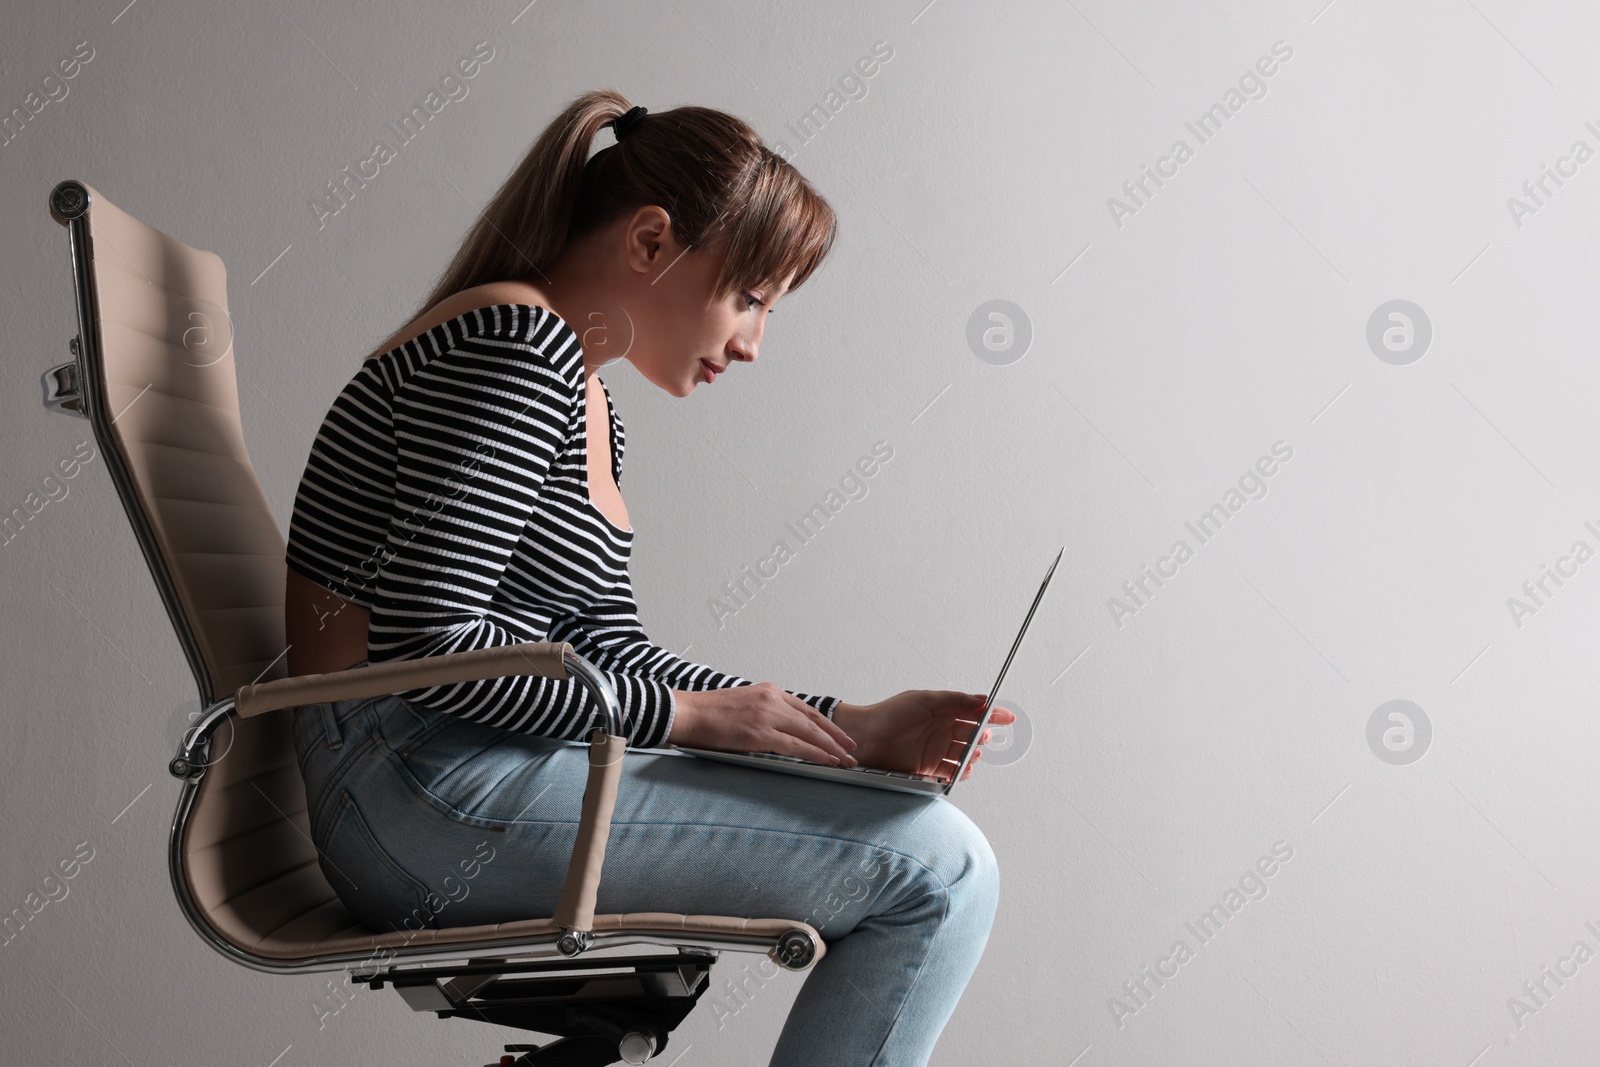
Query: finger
x=808, y=747
x=830, y=737
x=823, y=740
x=958, y=742
x=961, y=730
x=833, y=729
x=999, y=715
x=818, y=747
x=952, y=756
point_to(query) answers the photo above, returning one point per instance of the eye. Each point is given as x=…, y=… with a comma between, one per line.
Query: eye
x=751, y=300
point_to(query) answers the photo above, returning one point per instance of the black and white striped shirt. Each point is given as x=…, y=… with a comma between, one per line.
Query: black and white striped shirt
x=447, y=492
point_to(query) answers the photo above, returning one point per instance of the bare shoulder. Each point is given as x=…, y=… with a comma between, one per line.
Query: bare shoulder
x=507, y=292
x=481, y=296
x=478, y=296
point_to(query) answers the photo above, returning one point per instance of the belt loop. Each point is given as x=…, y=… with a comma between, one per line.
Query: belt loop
x=330, y=720
x=330, y=724
x=415, y=728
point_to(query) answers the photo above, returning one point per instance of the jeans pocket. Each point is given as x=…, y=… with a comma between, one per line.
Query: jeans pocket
x=379, y=892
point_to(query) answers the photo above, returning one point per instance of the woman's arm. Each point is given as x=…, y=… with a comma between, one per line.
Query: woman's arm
x=610, y=635
x=476, y=430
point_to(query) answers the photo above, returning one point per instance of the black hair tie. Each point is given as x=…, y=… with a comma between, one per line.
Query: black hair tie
x=623, y=124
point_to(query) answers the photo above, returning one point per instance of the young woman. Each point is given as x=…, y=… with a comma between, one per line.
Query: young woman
x=455, y=498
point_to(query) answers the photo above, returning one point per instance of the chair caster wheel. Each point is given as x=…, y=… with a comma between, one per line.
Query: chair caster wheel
x=637, y=1046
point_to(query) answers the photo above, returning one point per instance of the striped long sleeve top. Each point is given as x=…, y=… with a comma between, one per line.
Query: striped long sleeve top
x=447, y=492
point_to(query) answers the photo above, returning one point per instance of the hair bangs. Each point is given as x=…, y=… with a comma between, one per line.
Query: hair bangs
x=784, y=231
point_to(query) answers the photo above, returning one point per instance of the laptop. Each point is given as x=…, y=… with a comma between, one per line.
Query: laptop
x=872, y=776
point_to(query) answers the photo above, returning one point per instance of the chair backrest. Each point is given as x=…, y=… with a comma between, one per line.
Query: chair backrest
x=161, y=393
x=163, y=358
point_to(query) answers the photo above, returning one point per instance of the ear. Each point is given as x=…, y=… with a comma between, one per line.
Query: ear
x=650, y=242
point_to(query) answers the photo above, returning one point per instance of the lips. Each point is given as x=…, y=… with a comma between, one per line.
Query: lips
x=711, y=370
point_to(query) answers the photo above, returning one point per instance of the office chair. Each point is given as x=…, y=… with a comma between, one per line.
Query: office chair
x=153, y=371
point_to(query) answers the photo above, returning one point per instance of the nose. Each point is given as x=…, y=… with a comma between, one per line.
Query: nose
x=745, y=343
x=743, y=349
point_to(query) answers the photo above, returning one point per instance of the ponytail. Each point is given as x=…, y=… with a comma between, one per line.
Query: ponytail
x=707, y=169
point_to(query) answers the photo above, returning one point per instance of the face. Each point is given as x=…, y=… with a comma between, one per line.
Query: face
x=678, y=326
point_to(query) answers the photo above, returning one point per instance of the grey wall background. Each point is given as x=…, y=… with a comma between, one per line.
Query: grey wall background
x=1225, y=313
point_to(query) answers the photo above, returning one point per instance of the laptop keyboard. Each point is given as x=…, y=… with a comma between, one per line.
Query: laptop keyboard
x=863, y=770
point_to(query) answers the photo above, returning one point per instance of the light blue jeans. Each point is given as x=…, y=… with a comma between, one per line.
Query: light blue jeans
x=425, y=819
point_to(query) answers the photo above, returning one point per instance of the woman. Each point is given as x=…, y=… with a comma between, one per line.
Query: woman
x=455, y=500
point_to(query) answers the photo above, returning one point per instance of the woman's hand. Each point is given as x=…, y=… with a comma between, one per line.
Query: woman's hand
x=758, y=718
x=919, y=731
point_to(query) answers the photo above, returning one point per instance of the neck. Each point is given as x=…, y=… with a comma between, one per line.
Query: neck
x=576, y=289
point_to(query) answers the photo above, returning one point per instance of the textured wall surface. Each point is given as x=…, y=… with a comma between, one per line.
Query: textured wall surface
x=1279, y=317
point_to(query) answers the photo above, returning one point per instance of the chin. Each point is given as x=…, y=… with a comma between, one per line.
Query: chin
x=677, y=387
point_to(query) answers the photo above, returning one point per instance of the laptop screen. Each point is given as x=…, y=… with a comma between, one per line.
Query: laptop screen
x=988, y=704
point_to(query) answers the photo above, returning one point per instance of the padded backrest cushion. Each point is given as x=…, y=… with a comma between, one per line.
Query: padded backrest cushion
x=169, y=384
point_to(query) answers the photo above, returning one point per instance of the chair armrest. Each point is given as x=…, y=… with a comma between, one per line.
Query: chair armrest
x=551, y=659
x=576, y=910
x=545, y=658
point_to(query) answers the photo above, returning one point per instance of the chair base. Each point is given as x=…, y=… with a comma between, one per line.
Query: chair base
x=604, y=1010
